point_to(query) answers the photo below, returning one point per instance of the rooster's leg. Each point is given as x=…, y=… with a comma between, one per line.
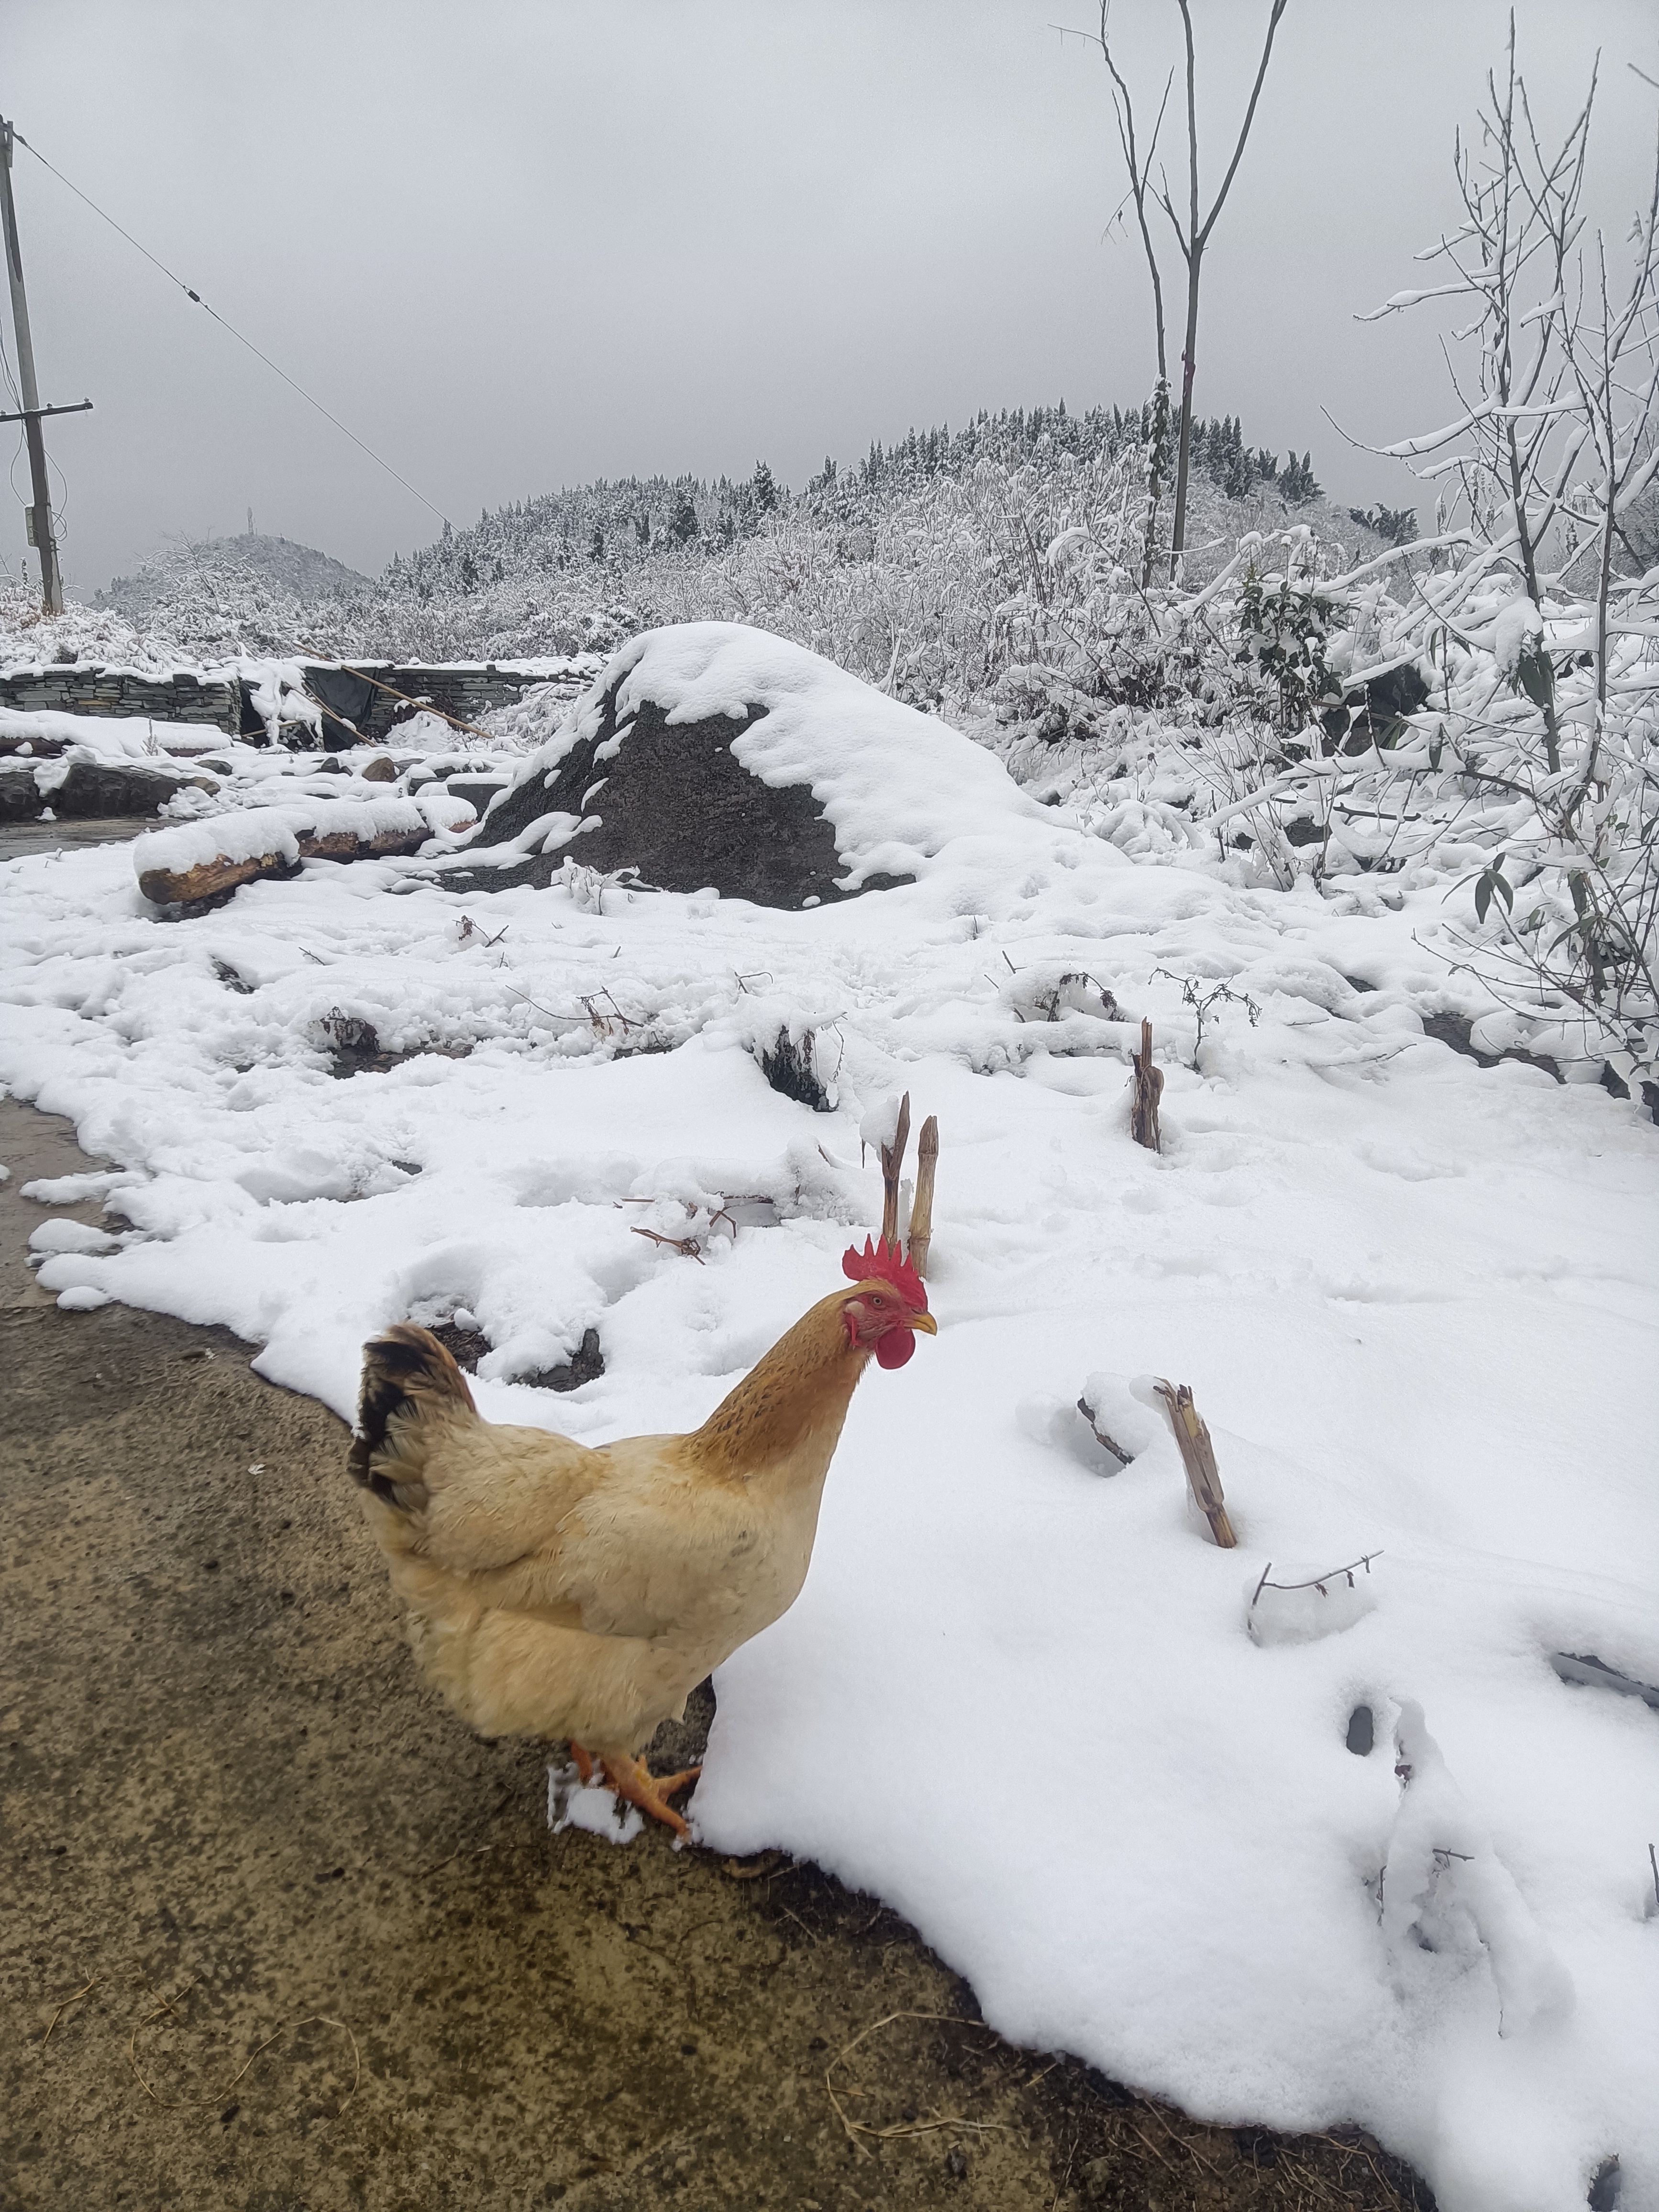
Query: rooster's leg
x=633, y=1779
x=584, y=1763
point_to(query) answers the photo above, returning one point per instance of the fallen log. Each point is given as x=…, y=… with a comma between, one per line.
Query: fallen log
x=212, y=880
x=204, y=862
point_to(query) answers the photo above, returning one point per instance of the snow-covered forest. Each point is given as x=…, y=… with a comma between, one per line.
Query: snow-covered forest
x=918, y=545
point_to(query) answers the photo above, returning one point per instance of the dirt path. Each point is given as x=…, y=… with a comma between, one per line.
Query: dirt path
x=279, y=1934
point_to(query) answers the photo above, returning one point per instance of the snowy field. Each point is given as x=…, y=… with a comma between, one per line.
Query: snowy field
x=1023, y=1697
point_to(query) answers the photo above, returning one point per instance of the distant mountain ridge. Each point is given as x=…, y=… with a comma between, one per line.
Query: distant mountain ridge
x=300, y=572
x=884, y=563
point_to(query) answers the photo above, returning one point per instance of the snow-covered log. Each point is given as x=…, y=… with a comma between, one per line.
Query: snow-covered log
x=203, y=861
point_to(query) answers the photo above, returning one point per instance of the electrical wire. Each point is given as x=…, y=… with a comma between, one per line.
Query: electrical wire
x=60, y=529
x=5, y=370
x=191, y=294
x=60, y=511
x=17, y=400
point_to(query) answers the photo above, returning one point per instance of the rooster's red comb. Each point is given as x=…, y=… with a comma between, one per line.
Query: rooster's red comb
x=890, y=1263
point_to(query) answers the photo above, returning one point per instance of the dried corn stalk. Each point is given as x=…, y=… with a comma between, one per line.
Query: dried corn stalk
x=892, y=1164
x=1148, y=1090
x=921, y=1208
x=1197, y=1457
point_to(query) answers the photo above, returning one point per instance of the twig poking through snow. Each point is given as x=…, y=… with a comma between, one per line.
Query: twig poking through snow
x=1314, y=1581
x=688, y=1245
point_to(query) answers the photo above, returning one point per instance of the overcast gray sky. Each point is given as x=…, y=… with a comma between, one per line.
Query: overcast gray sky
x=520, y=243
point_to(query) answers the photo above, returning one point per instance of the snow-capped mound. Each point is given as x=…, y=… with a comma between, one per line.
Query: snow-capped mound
x=714, y=755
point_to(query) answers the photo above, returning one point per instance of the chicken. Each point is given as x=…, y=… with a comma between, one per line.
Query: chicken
x=560, y=1591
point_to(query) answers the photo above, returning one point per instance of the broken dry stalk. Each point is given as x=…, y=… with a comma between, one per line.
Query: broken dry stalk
x=1148, y=1090
x=1197, y=1457
x=921, y=1206
x=892, y=1161
x=1106, y=1441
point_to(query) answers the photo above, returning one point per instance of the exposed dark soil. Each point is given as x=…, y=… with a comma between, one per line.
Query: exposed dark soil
x=467, y=1347
x=1456, y=1030
x=278, y=1932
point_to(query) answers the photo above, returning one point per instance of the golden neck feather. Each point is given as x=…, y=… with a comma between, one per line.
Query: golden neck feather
x=798, y=1394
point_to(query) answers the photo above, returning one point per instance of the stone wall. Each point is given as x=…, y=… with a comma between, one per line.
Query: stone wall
x=88, y=688
x=221, y=702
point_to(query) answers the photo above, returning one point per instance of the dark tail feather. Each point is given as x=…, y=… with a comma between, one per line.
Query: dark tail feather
x=405, y=1371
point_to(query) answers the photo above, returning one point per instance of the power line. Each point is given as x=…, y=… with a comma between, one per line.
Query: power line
x=191, y=294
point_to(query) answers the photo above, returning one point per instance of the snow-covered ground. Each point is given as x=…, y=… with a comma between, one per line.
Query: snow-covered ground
x=1023, y=1696
x=102, y=737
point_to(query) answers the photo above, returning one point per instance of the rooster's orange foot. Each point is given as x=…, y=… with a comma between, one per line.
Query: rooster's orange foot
x=632, y=1779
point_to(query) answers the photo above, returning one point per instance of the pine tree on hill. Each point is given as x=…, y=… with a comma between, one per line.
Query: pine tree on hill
x=682, y=523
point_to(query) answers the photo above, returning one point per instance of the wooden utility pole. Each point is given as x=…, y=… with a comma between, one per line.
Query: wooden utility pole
x=40, y=513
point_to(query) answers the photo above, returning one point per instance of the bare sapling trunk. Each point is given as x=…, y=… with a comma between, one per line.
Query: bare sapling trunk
x=1192, y=233
x=1140, y=173
x=1193, y=243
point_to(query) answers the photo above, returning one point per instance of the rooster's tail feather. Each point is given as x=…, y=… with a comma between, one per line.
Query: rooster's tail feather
x=406, y=1371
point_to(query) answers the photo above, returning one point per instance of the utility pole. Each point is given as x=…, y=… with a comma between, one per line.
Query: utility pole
x=41, y=513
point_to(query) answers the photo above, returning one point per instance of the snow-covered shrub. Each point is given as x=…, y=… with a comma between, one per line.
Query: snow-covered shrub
x=1537, y=623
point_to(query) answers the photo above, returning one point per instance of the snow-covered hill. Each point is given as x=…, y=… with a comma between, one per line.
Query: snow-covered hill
x=300, y=571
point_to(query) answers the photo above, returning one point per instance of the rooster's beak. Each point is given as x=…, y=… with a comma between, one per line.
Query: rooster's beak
x=926, y=1323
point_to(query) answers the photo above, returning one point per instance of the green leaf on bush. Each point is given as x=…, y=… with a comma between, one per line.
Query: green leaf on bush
x=1535, y=672
x=1493, y=879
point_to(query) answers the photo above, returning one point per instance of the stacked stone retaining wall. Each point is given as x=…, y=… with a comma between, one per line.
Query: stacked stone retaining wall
x=220, y=701
x=88, y=687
